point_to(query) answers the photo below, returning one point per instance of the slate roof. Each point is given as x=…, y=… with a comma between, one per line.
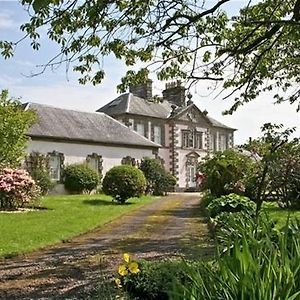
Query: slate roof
x=130, y=104
x=72, y=125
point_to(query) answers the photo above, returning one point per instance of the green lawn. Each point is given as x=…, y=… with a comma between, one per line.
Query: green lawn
x=279, y=214
x=65, y=217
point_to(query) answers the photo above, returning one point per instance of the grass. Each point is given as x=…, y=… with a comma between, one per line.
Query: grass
x=65, y=217
x=279, y=214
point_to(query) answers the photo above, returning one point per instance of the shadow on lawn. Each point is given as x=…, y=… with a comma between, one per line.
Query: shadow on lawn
x=100, y=202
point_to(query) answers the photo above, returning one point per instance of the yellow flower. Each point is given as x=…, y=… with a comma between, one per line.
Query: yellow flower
x=123, y=270
x=133, y=267
x=118, y=282
x=126, y=257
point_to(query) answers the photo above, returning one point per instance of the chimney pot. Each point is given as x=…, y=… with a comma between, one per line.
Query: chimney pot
x=143, y=90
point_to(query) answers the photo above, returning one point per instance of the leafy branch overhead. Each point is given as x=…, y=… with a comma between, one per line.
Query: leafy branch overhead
x=255, y=51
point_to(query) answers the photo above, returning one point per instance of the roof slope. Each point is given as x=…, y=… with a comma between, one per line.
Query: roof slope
x=75, y=125
x=130, y=104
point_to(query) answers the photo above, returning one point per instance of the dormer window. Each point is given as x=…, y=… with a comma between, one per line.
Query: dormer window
x=140, y=128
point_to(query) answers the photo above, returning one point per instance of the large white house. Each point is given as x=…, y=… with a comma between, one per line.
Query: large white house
x=133, y=126
x=186, y=134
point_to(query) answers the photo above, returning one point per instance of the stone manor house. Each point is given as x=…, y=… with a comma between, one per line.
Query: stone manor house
x=132, y=126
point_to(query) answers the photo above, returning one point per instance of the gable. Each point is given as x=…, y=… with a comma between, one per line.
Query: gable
x=193, y=115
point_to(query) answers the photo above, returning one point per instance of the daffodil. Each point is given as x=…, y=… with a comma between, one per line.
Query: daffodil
x=118, y=282
x=126, y=257
x=133, y=267
x=123, y=270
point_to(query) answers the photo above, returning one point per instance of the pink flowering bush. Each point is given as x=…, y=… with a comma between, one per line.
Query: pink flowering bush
x=17, y=188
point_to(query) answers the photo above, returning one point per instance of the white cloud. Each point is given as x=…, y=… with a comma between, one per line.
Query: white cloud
x=6, y=20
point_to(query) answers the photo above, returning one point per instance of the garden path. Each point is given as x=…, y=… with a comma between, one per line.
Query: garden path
x=169, y=227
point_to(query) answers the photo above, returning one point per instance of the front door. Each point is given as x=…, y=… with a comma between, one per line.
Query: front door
x=191, y=176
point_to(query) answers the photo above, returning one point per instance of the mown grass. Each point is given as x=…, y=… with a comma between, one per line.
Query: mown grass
x=278, y=214
x=64, y=218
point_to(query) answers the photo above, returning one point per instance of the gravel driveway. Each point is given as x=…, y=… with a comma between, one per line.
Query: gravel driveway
x=169, y=227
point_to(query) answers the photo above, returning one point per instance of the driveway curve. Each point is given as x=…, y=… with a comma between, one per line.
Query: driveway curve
x=166, y=228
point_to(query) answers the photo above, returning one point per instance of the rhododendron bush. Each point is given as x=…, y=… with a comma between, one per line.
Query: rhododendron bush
x=17, y=188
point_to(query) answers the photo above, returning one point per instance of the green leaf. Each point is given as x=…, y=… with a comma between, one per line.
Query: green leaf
x=40, y=4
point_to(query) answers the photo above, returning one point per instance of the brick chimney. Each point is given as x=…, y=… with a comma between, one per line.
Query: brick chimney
x=175, y=93
x=143, y=90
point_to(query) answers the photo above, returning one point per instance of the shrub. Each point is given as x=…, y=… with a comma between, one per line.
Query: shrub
x=80, y=178
x=37, y=165
x=225, y=172
x=230, y=203
x=159, y=181
x=17, y=188
x=43, y=180
x=206, y=199
x=124, y=182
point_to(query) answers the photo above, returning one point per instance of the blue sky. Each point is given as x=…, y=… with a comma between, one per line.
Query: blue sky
x=61, y=89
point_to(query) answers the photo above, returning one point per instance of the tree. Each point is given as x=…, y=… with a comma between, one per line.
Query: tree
x=275, y=151
x=14, y=124
x=256, y=51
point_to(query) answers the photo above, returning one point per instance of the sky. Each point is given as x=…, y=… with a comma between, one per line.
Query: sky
x=60, y=88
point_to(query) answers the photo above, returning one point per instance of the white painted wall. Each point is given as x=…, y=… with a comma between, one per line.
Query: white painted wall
x=76, y=153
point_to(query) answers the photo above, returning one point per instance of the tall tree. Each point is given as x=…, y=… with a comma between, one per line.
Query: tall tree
x=14, y=124
x=256, y=51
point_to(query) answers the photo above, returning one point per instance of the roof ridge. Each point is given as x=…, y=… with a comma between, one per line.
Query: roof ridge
x=28, y=104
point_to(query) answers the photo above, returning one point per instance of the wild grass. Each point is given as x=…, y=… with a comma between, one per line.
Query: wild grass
x=260, y=263
x=64, y=217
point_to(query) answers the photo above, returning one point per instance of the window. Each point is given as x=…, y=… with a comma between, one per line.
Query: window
x=199, y=140
x=95, y=162
x=55, y=165
x=223, y=142
x=192, y=139
x=185, y=139
x=157, y=134
x=128, y=160
x=130, y=123
x=140, y=128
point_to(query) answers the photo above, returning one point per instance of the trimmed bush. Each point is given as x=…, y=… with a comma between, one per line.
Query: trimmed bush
x=231, y=203
x=124, y=182
x=17, y=189
x=159, y=182
x=80, y=178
